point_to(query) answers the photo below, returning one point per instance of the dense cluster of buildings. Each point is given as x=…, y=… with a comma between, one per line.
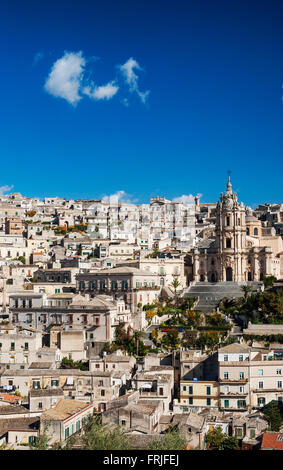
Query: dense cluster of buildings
x=72, y=271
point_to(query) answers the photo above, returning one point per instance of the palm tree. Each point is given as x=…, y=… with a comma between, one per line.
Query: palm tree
x=246, y=290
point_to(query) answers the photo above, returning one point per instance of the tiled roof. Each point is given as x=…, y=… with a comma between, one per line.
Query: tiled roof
x=46, y=392
x=234, y=348
x=272, y=440
x=8, y=398
x=63, y=410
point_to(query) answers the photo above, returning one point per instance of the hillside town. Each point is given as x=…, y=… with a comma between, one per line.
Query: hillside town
x=148, y=318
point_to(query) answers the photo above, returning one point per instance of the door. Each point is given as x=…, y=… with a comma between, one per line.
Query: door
x=229, y=274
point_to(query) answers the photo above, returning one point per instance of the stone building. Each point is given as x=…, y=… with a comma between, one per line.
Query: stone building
x=235, y=254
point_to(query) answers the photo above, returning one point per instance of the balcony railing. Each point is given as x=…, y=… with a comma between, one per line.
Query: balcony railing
x=234, y=381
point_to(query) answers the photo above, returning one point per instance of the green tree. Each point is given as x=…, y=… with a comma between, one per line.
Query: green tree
x=171, y=340
x=214, y=438
x=103, y=437
x=268, y=281
x=42, y=440
x=231, y=443
x=273, y=416
x=246, y=290
x=171, y=440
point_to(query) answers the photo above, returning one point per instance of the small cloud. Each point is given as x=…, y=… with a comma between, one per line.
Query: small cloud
x=105, y=92
x=186, y=199
x=131, y=78
x=5, y=189
x=119, y=196
x=39, y=56
x=65, y=78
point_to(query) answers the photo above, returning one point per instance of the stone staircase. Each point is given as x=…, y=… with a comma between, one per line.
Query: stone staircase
x=210, y=293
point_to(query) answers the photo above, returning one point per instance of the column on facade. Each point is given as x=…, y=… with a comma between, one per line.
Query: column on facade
x=196, y=267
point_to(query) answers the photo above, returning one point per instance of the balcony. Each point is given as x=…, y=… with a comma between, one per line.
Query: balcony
x=233, y=381
x=232, y=394
x=233, y=408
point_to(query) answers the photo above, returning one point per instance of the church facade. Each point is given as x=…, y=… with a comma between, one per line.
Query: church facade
x=237, y=252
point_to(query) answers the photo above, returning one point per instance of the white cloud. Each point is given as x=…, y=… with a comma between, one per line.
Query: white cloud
x=66, y=77
x=104, y=92
x=5, y=189
x=119, y=196
x=186, y=199
x=131, y=78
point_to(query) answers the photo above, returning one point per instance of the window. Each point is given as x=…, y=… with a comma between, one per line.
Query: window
x=78, y=425
x=242, y=375
x=261, y=401
x=228, y=221
x=191, y=401
x=241, y=404
x=36, y=384
x=190, y=390
x=225, y=357
x=184, y=388
x=228, y=243
x=226, y=403
x=279, y=384
x=54, y=382
x=123, y=422
x=241, y=358
x=100, y=383
x=226, y=375
x=161, y=391
x=208, y=390
x=12, y=346
x=102, y=393
x=260, y=371
x=40, y=405
x=26, y=346
x=252, y=433
x=239, y=432
x=260, y=384
x=208, y=401
x=278, y=371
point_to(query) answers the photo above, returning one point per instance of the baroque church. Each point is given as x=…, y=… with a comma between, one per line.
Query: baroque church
x=240, y=250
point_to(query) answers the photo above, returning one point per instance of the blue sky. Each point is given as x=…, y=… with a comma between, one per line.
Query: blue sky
x=201, y=94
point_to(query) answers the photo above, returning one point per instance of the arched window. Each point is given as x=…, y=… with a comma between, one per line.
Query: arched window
x=255, y=231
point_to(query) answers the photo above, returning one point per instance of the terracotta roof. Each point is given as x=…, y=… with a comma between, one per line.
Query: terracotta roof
x=272, y=440
x=9, y=398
